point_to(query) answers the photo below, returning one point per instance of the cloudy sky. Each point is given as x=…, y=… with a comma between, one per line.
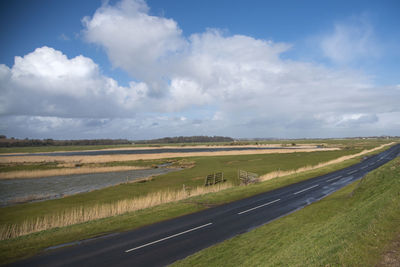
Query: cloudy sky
x=146, y=69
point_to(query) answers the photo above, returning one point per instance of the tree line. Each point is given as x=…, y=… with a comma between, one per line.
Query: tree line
x=12, y=142
x=187, y=139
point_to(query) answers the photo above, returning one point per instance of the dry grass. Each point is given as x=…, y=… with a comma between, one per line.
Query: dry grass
x=280, y=173
x=65, y=171
x=114, y=158
x=84, y=214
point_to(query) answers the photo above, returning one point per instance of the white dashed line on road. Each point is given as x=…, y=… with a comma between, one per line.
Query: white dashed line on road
x=169, y=237
x=301, y=191
x=276, y=200
x=334, y=178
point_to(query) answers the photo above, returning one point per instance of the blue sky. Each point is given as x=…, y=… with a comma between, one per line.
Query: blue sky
x=135, y=69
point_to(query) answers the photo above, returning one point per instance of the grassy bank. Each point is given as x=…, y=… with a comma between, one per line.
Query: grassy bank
x=352, y=227
x=29, y=245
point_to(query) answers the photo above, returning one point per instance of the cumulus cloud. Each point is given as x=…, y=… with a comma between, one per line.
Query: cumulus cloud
x=207, y=83
x=135, y=41
x=47, y=83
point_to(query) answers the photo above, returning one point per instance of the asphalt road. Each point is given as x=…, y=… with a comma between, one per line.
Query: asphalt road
x=163, y=243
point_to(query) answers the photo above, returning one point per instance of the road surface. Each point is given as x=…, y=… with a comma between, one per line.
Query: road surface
x=163, y=243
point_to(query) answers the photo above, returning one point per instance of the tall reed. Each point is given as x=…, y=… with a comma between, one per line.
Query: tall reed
x=83, y=214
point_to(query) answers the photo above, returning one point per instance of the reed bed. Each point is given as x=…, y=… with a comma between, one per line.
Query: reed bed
x=279, y=173
x=84, y=214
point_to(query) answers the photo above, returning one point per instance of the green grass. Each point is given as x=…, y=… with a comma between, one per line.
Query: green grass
x=25, y=246
x=352, y=227
x=190, y=177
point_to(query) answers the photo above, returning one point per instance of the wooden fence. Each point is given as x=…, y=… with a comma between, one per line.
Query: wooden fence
x=214, y=178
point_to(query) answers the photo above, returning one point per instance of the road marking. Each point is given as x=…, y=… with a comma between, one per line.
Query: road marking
x=169, y=237
x=364, y=167
x=352, y=172
x=276, y=200
x=334, y=178
x=306, y=189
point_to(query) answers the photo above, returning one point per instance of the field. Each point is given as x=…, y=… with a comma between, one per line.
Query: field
x=28, y=166
x=328, y=142
x=353, y=227
x=192, y=177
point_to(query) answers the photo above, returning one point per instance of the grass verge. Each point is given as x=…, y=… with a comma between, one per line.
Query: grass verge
x=351, y=227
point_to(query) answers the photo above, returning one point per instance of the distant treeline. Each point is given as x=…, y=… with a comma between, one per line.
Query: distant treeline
x=12, y=142
x=186, y=139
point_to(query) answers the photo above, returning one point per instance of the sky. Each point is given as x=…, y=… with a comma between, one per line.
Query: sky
x=137, y=69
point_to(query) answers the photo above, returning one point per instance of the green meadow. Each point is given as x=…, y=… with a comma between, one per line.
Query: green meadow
x=28, y=245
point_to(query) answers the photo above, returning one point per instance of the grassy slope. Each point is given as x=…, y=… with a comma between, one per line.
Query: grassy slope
x=190, y=177
x=352, y=227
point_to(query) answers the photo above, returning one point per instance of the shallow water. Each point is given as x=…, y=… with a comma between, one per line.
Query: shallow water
x=25, y=190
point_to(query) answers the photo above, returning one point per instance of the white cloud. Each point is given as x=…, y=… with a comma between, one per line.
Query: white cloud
x=350, y=41
x=47, y=83
x=208, y=83
x=135, y=41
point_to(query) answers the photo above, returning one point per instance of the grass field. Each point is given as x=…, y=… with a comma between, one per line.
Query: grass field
x=172, y=181
x=30, y=244
x=352, y=227
x=341, y=142
x=25, y=246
